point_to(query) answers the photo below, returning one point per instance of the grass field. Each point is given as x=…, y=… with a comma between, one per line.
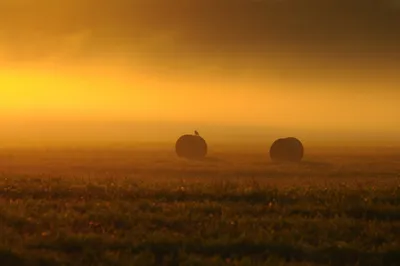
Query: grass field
x=143, y=206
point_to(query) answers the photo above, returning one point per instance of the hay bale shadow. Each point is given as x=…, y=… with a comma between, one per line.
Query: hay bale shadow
x=206, y=159
x=313, y=164
x=316, y=164
x=212, y=159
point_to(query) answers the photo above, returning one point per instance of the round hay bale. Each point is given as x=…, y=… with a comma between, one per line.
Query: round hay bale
x=286, y=150
x=191, y=146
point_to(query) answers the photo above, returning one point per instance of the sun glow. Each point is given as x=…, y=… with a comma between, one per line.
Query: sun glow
x=46, y=94
x=119, y=94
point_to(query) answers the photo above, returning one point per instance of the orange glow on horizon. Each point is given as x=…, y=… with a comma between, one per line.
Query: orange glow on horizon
x=129, y=95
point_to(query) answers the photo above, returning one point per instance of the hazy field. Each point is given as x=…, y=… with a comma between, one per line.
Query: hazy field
x=143, y=206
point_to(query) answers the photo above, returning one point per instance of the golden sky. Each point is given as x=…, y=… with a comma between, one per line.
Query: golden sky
x=148, y=62
x=34, y=95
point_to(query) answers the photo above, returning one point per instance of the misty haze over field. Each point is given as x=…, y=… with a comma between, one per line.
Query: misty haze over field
x=236, y=70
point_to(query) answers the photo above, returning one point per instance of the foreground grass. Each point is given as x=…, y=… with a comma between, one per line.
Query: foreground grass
x=90, y=209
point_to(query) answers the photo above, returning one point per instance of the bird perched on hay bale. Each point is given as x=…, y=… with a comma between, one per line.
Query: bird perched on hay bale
x=191, y=146
x=286, y=150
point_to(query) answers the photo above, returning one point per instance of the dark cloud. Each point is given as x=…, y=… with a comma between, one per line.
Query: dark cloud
x=224, y=32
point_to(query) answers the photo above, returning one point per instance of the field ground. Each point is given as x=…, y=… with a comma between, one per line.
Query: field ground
x=144, y=206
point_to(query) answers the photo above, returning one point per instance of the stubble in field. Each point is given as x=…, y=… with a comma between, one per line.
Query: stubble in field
x=144, y=206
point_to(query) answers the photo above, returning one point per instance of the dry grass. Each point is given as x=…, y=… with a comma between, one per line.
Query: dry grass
x=144, y=206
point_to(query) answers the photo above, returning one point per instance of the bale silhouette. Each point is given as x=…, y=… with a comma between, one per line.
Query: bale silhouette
x=191, y=147
x=286, y=150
